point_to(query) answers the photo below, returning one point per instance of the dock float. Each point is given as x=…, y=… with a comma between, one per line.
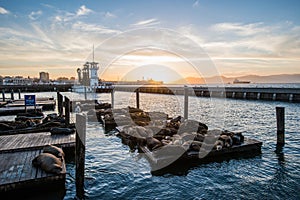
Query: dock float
x=45, y=103
x=162, y=161
x=4, y=111
x=18, y=175
x=20, y=142
x=17, y=153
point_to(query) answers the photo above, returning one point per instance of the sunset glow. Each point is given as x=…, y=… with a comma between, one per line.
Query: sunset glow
x=241, y=38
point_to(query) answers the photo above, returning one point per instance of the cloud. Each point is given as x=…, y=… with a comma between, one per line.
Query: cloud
x=83, y=11
x=35, y=15
x=196, y=4
x=65, y=16
x=94, y=28
x=241, y=29
x=3, y=11
x=109, y=15
x=148, y=22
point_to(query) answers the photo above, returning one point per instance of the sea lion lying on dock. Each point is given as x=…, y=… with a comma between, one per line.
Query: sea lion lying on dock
x=153, y=143
x=5, y=127
x=65, y=131
x=48, y=162
x=54, y=150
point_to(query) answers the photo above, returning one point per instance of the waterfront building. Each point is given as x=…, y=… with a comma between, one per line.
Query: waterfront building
x=44, y=77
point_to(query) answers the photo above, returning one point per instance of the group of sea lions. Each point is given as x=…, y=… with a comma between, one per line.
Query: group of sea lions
x=188, y=134
x=50, y=160
x=127, y=116
x=23, y=122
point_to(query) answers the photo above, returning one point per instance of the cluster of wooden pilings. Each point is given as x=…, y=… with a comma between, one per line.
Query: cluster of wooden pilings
x=247, y=93
x=37, y=88
x=80, y=124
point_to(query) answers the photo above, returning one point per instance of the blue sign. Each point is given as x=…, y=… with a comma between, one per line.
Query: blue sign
x=29, y=100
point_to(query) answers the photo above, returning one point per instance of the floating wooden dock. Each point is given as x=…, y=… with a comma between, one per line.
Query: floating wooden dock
x=20, y=142
x=165, y=161
x=17, y=153
x=45, y=103
x=18, y=175
x=4, y=111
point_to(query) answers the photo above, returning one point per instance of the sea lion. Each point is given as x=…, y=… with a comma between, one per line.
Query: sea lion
x=54, y=150
x=5, y=127
x=153, y=143
x=237, y=138
x=65, y=131
x=227, y=140
x=218, y=145
x=48, y=162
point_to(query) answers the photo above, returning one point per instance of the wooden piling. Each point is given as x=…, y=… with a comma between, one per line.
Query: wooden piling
x=85, y=95
x=137, y=98
x=60, y=104
x=280, y=125
x=112, y=94
x=186, y=102
x=67, y=110
x=12, y=94
x=19, y=91
x=80, y=154
x=3, y=95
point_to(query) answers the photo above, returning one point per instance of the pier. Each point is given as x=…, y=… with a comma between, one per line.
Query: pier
x=247, y=93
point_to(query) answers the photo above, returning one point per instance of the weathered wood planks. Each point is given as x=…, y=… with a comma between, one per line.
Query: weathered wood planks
x=20, y=142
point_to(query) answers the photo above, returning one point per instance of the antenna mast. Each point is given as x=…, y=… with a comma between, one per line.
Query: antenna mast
x=93, y=52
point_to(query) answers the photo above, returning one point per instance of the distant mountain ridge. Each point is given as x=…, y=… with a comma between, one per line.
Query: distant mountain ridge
x=280, y=78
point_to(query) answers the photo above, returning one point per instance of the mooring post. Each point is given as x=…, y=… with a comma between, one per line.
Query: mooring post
x=67, y=110
x=85, y=96
x=19, y=91
x=3, y=95
x=59, y=104
x=280, y=125
x=12, y=94
x=112, y=98
x=137, y=92
x=186, y=102
x=80, y=154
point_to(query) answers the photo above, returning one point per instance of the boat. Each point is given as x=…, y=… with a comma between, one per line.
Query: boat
x=236, y=81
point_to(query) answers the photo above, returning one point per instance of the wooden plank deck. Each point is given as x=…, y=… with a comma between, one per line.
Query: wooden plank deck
x=166, y=162
x=17, y=172
x=15, y=110
x=17, y=153
x=45, y=104
x=21, y=142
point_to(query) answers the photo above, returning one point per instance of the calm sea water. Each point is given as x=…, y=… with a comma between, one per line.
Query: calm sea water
x=112, y=172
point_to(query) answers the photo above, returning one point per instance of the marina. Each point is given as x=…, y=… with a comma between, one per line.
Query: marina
x=250, y=147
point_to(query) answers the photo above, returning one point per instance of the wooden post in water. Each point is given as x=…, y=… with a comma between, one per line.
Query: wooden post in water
x=60, y=104
x=19, y=91
x=137, y=98
x=67, y=110
x=280, y=125
x=85, y=96
x=3, y=95
x=112, y=98
x=80, y=154
x=12, y=94
x=186, y=102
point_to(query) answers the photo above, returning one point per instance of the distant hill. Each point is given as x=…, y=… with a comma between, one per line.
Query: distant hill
x=281, y=78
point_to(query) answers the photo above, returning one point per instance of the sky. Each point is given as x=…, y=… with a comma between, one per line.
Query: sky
x=186, y=38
